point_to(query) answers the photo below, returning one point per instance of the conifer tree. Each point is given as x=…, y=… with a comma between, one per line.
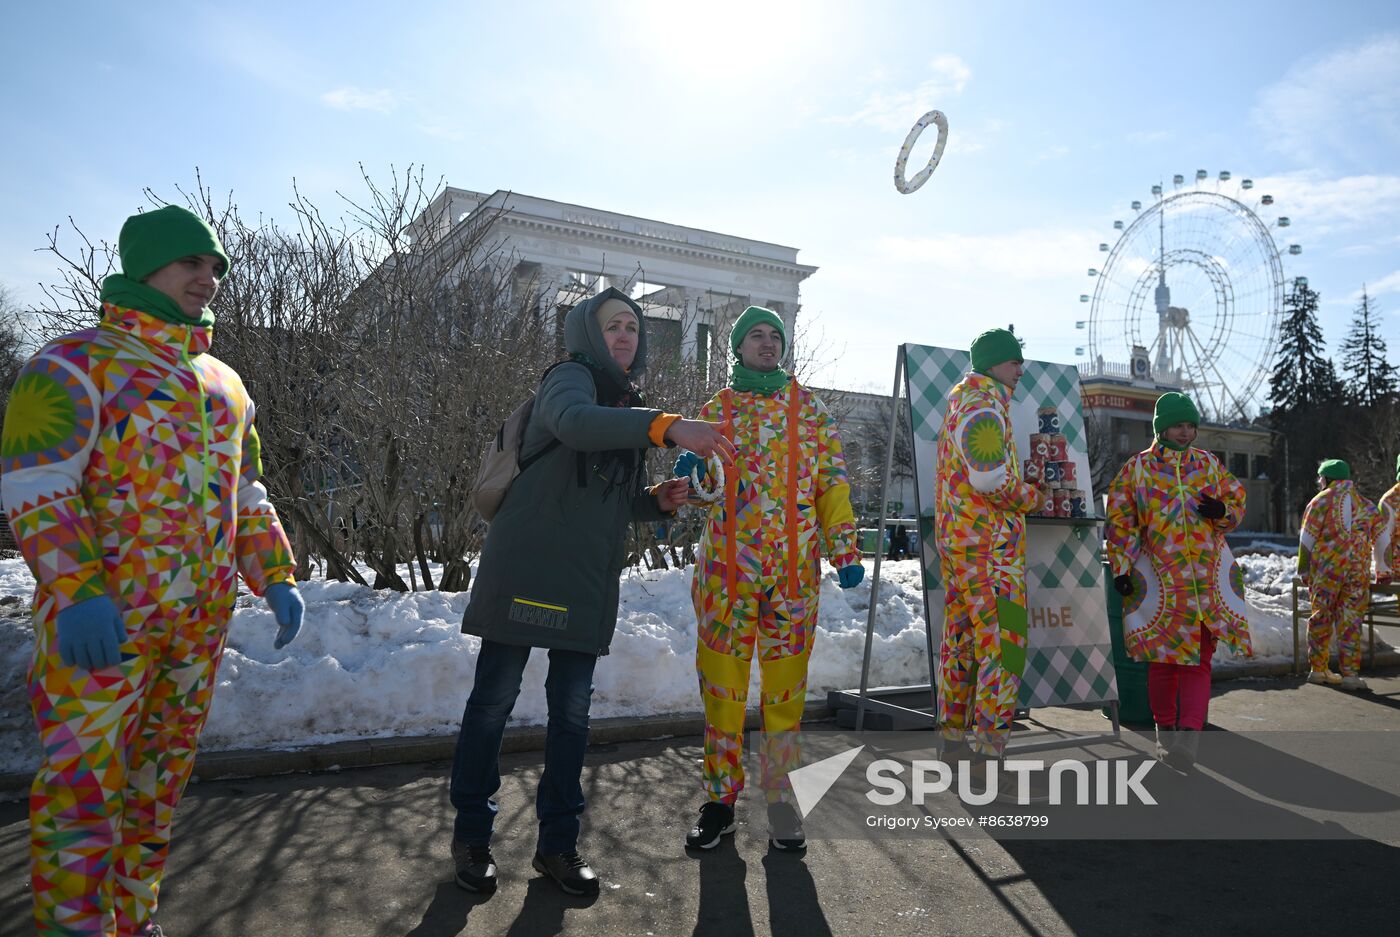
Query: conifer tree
x=1371, y=377
x=1302, y=377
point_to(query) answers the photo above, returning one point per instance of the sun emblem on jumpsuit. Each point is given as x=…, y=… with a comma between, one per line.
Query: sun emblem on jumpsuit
x=984, y=443
x=41, y=415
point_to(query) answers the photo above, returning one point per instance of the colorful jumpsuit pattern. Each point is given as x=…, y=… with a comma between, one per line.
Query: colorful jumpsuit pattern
x=1334, y=547
x=1388, y=536
x=131, y=468
x=1152, y=512
x=981, y=503
x=756, y=586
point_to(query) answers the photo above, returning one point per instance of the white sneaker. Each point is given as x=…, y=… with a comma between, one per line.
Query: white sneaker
x=1353, y=683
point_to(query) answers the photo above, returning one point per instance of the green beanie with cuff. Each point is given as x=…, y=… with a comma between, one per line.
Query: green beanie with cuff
x=152, y=239
x=1335, y=469
x=752, y=316
x=1173, y=408
x=993, y=347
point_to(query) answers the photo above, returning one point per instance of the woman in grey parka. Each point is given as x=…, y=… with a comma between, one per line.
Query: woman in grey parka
x=548, y=577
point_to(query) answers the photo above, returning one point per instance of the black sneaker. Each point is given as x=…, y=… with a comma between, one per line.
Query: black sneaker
x=474, y=866
x=785, y=828
x=716, y=819
x=569, y=869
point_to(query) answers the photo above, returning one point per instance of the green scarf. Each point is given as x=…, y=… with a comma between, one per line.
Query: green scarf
x=121, y=290
x=1167, y=444
x=766, y=383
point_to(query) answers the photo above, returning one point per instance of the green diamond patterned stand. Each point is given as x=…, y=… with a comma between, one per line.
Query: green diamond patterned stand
x=1069, y=657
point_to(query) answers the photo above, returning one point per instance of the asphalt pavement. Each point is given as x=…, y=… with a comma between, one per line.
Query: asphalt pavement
x=364, y=851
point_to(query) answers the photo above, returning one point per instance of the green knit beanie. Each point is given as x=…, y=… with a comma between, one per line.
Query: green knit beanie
x=993, y=347
x=1335, y=469
x=1173, y=408
x=153, y=239
x=755, y=315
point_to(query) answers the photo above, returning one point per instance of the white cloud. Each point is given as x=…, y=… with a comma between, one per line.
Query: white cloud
x=1346, y=105
x=1387, y=284
x=350, y=98
x=1149, y=136
x=1328, y=205
x=896, y=110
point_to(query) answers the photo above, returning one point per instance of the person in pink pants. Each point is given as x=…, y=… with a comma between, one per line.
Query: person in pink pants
x=1169, y=509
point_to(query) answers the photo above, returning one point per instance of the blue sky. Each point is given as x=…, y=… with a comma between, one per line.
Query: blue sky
x=774, y=121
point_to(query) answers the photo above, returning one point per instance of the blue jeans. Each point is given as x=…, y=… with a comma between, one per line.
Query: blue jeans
x=476, y=772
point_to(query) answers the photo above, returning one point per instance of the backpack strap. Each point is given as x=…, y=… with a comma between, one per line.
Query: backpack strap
x=526, y=461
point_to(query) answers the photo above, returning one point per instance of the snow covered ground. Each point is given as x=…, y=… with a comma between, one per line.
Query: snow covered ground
x=376, y=664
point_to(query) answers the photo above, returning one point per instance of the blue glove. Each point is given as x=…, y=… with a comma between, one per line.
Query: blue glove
x=686, y=462
x=850, y=576
x=287, y=606
x=90, y=634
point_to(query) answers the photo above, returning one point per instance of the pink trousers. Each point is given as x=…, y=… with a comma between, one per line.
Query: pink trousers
x=1179, y=694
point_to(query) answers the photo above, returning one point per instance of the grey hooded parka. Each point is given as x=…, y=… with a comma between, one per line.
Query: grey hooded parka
x=549, y=570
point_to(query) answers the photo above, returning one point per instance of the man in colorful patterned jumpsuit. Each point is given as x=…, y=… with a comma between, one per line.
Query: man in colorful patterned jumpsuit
x=755, y=588
x=1334, y=549
x=981, y=503
x=131, y=482
x=1172, y=504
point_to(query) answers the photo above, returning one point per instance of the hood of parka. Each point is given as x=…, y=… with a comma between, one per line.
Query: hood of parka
x=582, y=336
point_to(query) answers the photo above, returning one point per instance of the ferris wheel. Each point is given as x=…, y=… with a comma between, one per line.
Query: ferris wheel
x=1195, y=279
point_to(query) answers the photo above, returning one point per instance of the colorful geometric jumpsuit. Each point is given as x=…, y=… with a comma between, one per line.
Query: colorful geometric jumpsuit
x=981, y=503
x=757, y=583
x=1152, y=512
x=1334, y=550
x=130, y=468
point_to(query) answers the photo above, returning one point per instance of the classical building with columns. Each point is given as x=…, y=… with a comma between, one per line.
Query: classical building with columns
x=691, y=283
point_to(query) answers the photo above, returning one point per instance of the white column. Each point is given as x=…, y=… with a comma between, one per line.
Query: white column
x=548, y=282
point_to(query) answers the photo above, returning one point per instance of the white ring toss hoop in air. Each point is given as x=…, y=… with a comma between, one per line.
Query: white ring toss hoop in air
x=714, y=474
x=908, y=186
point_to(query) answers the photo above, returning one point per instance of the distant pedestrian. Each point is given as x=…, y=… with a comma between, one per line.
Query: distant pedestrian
x=899, y=544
